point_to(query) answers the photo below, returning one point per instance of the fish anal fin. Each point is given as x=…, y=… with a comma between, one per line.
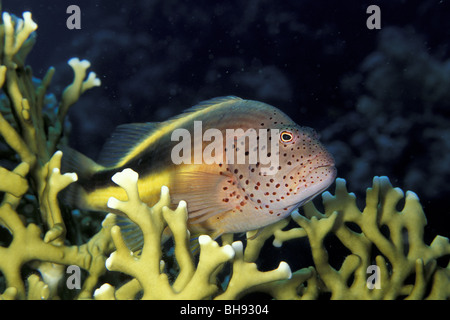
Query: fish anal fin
x=194, y=244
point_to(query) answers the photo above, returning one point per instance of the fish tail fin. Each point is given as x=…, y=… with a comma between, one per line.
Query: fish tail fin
x=74, y=161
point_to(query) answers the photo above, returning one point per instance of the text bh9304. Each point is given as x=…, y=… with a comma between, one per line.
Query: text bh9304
x=226, y=309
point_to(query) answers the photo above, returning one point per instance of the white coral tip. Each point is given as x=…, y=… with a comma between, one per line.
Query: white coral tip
x=112, y=203
x=73, y=61
x=164, y=191
x=277, y=243
x=204, y=239
x=228, y=250
x=72, y=175
x=238, y=246
x=103, y=289
x=126, y=176
x=28, y=20
x=6, y=17
x=285, y=269
x=295, y=214
x=109, y=261
x=182, y=204
x=410, y=195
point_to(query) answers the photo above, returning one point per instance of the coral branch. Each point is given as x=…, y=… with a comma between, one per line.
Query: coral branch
x=79, y=85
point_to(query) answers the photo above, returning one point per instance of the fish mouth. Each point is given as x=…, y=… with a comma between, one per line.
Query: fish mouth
x=326, y=164
x=317, y=180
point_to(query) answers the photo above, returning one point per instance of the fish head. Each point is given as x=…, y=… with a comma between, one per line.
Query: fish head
x=300, y=168
x=306, y=167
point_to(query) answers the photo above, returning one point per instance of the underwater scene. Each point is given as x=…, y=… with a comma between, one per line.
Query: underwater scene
x=224, y=150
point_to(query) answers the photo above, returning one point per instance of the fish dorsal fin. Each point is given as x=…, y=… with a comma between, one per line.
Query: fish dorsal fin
x=127, y=136
x=124, y=139
x=206, y=104
x=214, y=101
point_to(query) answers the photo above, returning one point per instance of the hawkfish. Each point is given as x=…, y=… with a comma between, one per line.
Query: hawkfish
x=239, y=164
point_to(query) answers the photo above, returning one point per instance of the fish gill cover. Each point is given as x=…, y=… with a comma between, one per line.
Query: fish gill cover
x=378, y=97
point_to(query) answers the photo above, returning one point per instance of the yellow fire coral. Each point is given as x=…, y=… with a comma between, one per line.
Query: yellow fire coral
x=402, y=253
x=34, y=141
x=388, y=258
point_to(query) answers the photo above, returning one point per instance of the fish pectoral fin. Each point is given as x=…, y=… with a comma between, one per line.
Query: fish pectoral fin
x=203, y=193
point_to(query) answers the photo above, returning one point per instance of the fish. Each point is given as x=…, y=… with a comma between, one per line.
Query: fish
x=239, y=164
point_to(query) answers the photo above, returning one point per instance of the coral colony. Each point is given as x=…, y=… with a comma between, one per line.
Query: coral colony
x=386, y=257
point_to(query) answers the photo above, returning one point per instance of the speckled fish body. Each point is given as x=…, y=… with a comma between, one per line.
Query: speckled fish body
x=227, y=196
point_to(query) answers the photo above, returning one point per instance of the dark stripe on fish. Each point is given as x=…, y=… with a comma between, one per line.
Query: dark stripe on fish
x=151, y=160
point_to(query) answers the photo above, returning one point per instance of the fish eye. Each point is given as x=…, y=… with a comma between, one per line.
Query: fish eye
x=286, y=136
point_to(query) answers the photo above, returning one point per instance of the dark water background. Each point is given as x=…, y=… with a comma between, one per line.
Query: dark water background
x=379, y=98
